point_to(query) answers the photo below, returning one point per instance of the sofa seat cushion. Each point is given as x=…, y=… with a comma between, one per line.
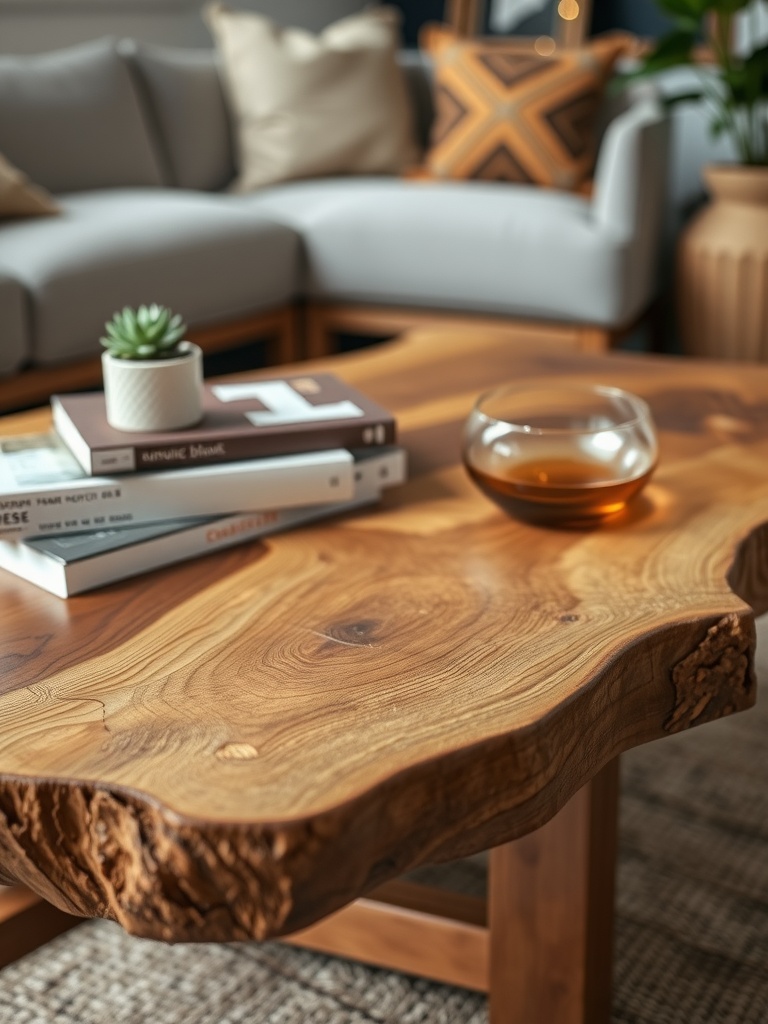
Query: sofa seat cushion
x=486, y=247
x=200, y=254
x=15, y=344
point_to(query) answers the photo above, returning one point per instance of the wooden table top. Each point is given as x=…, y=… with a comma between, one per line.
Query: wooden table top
x=238, y=745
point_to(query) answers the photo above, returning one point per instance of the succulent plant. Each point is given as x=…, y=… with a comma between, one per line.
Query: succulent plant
x=149, y=332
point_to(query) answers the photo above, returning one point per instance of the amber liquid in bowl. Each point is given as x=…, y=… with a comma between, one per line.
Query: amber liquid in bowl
x=560, y=454
x=558, y=491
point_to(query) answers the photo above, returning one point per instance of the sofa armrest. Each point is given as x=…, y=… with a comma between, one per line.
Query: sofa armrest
x=631, y=172
x=629, y=193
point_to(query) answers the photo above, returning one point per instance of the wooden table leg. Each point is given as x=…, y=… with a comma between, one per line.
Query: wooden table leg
x=550, y=898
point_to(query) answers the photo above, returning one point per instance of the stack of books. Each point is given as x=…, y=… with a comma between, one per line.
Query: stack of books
x=86, y=505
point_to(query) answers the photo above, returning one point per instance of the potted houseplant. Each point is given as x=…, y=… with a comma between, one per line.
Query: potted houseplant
x=722, y=261
x=152, y=377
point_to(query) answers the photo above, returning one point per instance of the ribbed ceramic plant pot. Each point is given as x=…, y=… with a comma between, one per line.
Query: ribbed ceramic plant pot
x=723, y=267
x=154, y=394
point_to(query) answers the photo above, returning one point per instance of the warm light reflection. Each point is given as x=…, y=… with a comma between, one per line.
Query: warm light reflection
x=544, y=46
x=568, y=10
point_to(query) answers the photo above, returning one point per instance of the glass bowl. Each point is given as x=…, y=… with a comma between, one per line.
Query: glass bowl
x=560, y=454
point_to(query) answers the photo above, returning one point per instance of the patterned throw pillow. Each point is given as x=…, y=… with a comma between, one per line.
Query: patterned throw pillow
x=504, y=112
x=19, y=197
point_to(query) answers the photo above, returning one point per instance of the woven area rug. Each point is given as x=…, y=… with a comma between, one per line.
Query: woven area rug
x=691, y=922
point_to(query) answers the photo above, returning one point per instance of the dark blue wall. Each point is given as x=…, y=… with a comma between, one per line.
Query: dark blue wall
x=640, y=16
x=415, y=14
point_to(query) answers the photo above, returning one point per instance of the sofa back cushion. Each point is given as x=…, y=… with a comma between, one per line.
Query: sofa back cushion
x=184, y=95
x=72, y=120
x=185, y=99
x=310, y=105
x=508, y=111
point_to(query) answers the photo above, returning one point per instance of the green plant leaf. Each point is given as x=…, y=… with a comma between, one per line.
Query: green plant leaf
x=718, y=125
x=756, y=74
x=737, y=83
x=727, y=6
x=670, y=51
x=684, y=97
x=685, y=9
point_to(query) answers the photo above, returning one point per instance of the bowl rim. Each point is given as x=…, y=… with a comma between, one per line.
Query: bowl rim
x=643, y=413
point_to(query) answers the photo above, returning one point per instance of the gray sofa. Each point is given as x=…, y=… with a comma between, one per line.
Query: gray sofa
x=134, y=140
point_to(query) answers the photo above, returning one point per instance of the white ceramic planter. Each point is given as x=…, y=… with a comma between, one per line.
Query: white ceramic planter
x=154, y=394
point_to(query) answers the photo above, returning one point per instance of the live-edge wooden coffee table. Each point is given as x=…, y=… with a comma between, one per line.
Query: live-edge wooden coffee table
x=239, y=746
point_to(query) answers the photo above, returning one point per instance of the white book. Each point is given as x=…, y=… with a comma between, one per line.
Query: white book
x=73, y=563
x=45, y=492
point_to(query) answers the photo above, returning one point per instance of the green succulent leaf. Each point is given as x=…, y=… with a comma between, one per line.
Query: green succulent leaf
x=149, y=332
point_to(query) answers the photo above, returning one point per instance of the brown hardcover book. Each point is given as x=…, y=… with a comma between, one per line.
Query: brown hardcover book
x=241, y=420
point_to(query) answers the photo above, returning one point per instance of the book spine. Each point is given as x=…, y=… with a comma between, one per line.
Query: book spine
x=94, y=570
x=104, y=502
x=143, y=458
x=123, y=563
x=195, y=542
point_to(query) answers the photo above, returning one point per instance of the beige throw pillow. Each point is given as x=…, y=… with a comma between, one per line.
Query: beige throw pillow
x=307, y=105
x=19, y=197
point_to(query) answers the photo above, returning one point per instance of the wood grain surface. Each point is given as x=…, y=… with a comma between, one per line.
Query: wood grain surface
x=237, y=746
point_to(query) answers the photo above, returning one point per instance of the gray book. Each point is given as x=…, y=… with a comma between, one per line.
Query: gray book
x=44, y=491
x=73, y=563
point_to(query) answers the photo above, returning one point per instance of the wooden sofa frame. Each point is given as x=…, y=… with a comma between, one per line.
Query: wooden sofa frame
x=277, y=328
x=308, y=331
